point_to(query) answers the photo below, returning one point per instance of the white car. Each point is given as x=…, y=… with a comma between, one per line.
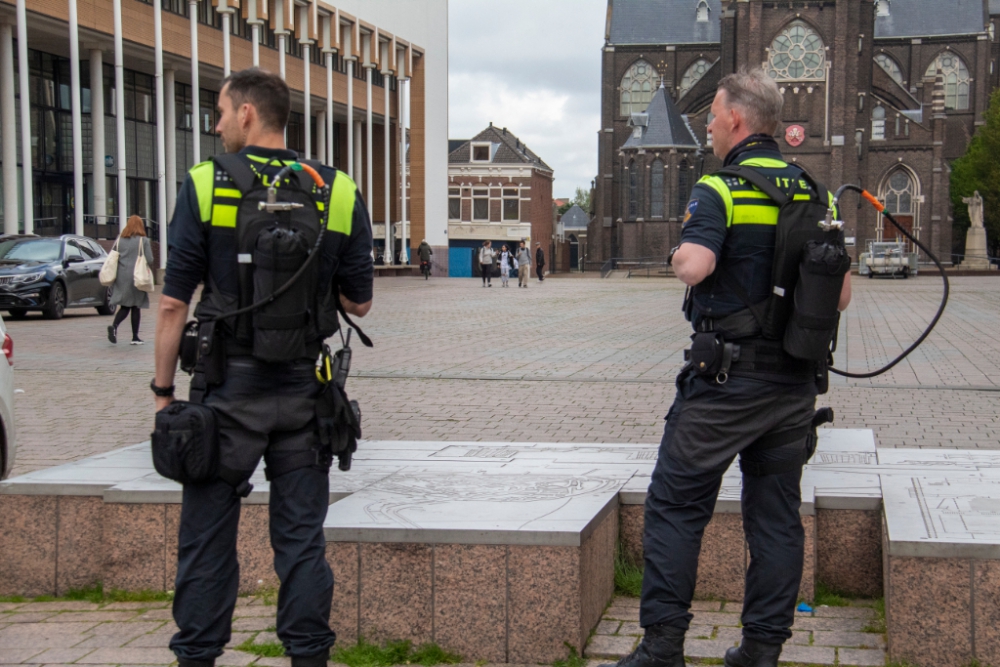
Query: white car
x=7, y=441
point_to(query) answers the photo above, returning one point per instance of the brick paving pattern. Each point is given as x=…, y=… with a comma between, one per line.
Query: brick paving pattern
x=826, y=636
x=580, y=360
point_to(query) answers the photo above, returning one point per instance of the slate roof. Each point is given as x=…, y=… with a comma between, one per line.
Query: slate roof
x=662, y=126
x=575, y=218
x=663, y=22
x=509, y=149
x=925, y=18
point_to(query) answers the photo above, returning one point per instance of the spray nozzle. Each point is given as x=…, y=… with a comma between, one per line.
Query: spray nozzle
x=828, y=223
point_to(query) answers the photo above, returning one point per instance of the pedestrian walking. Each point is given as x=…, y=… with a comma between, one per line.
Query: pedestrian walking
x=506, y=259
x=261, y=382
x=539, y=261
x=486, y=256
x=124, y=293
x=523, y=265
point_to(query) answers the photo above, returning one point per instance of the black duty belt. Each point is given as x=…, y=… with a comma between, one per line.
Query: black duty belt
x=742, y=324
x=760, y=356
x=713, y=354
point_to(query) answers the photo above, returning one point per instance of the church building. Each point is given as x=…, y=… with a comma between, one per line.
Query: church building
x=881, y=93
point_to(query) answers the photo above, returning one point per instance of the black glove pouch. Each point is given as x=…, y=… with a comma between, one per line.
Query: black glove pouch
x=706, y=353
x=339, y=422
x=186, y=443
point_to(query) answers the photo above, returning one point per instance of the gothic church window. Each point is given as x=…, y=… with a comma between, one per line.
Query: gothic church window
x=693, y=75
x=797, y=54
x=702, y=14
x=878, y=123
x=956, y=80
x=683, y=187
x=890, y=66
x=656, y=189
x=637, y=87
x=900, y=192
x=633, y=194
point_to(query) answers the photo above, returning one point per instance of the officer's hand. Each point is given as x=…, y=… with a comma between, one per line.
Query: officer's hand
x=163, y=401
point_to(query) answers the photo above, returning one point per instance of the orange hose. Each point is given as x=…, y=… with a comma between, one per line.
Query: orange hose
x=879, y=206
x=315, y=175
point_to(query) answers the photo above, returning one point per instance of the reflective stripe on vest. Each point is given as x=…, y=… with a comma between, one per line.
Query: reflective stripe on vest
x=220, y=205
x=753, y=207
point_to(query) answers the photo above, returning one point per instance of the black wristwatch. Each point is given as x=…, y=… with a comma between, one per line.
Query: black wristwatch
x=670, y=257
x=163, y=392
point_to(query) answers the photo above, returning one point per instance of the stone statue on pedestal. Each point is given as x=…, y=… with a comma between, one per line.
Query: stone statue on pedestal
x=975, y=239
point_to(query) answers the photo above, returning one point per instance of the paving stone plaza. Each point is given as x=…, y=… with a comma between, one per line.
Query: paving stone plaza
x=575, y=360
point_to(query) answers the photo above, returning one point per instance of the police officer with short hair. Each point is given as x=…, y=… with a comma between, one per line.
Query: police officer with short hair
x=263, y=389
x=762, y=411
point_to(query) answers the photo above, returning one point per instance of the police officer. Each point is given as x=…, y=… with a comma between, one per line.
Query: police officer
x=762, y=411
x=263, y=408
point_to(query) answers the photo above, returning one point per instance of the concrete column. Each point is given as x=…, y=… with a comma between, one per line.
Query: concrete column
x=402, y=164
x=351, y=171
x=170, y=125
x=8, y=130
x=387, y=164
x=281, y=53
x=255, y=38
x=226, y=18
x=321, y=137
x=161, y=148
x=76, y=116
x=195, y=97
x=369, y=152
x=120, y=114
x=307, y=102
x=98, y=149
x=357, y=157
x=329, y=110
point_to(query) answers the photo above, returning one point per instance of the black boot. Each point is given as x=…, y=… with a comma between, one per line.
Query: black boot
x=184, y=662
x=752, y=653
x=663, y=646
x=318, y=660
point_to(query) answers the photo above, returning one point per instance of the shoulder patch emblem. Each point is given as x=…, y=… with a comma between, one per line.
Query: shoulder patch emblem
x=691, y=208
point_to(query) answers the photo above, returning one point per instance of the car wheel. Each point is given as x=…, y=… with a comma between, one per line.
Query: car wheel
x=107, y=308
x=56, y=306
x=18, y=313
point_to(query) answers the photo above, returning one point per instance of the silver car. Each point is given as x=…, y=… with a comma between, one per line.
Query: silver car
x=7, y=441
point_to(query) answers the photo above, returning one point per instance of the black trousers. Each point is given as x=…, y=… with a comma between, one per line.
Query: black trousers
x=707, y=426
x=487, y=270
x=262, y=409
x=124, y=312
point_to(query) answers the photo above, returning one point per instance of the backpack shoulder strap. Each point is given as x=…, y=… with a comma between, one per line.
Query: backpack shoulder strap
x=756, y=178
x=237, y=168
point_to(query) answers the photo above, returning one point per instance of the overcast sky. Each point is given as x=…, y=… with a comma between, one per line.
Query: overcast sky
x=534, y=67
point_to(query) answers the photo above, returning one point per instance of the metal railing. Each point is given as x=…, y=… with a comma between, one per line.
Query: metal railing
x=636, y=266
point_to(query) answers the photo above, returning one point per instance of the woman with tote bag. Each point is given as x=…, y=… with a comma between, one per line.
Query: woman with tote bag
x=131, y=280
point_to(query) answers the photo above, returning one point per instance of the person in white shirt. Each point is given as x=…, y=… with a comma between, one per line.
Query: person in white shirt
x=486, y=256
x=505, y=261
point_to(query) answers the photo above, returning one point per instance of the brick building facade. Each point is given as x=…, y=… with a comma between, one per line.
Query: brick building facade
x=881, y=93
x=500, y=190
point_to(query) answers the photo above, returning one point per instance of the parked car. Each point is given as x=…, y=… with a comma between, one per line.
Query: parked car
x=52, y=274
x=7, y=440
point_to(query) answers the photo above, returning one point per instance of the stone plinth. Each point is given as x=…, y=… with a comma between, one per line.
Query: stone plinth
x=976, y=255
x=510, y=565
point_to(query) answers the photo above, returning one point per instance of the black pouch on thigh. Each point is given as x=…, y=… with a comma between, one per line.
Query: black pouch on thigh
x=339, y=422
x=185, y=443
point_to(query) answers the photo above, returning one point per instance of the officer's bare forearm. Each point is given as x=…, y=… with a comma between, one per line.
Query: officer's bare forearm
x=356, y=309
x=693, y=263
x=169, y=326
x=845, y=293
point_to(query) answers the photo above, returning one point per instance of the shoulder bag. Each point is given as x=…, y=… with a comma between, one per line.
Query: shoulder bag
x=109, y=272
x=142, y=276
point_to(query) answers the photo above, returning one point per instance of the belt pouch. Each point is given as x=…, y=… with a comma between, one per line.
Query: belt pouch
x=185, y=443
x=212, y=352
x=189, y=347
x=339, y=423
x=706, y=353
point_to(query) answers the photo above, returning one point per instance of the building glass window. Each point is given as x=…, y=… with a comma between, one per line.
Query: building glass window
x=692, y=75
x=956, y=80
x=637, y=87
x=900, y=191
x=878, y=123
x=511, y=205
x=481, y=152
x=454, y=204
x=656, y=189
x=480, y=204
x=702, y=12
x=683, y=187
x=797, y=54
x=633, y=195
x=890, y=66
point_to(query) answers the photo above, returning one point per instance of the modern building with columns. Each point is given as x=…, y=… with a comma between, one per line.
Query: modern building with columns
x=150, y=70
